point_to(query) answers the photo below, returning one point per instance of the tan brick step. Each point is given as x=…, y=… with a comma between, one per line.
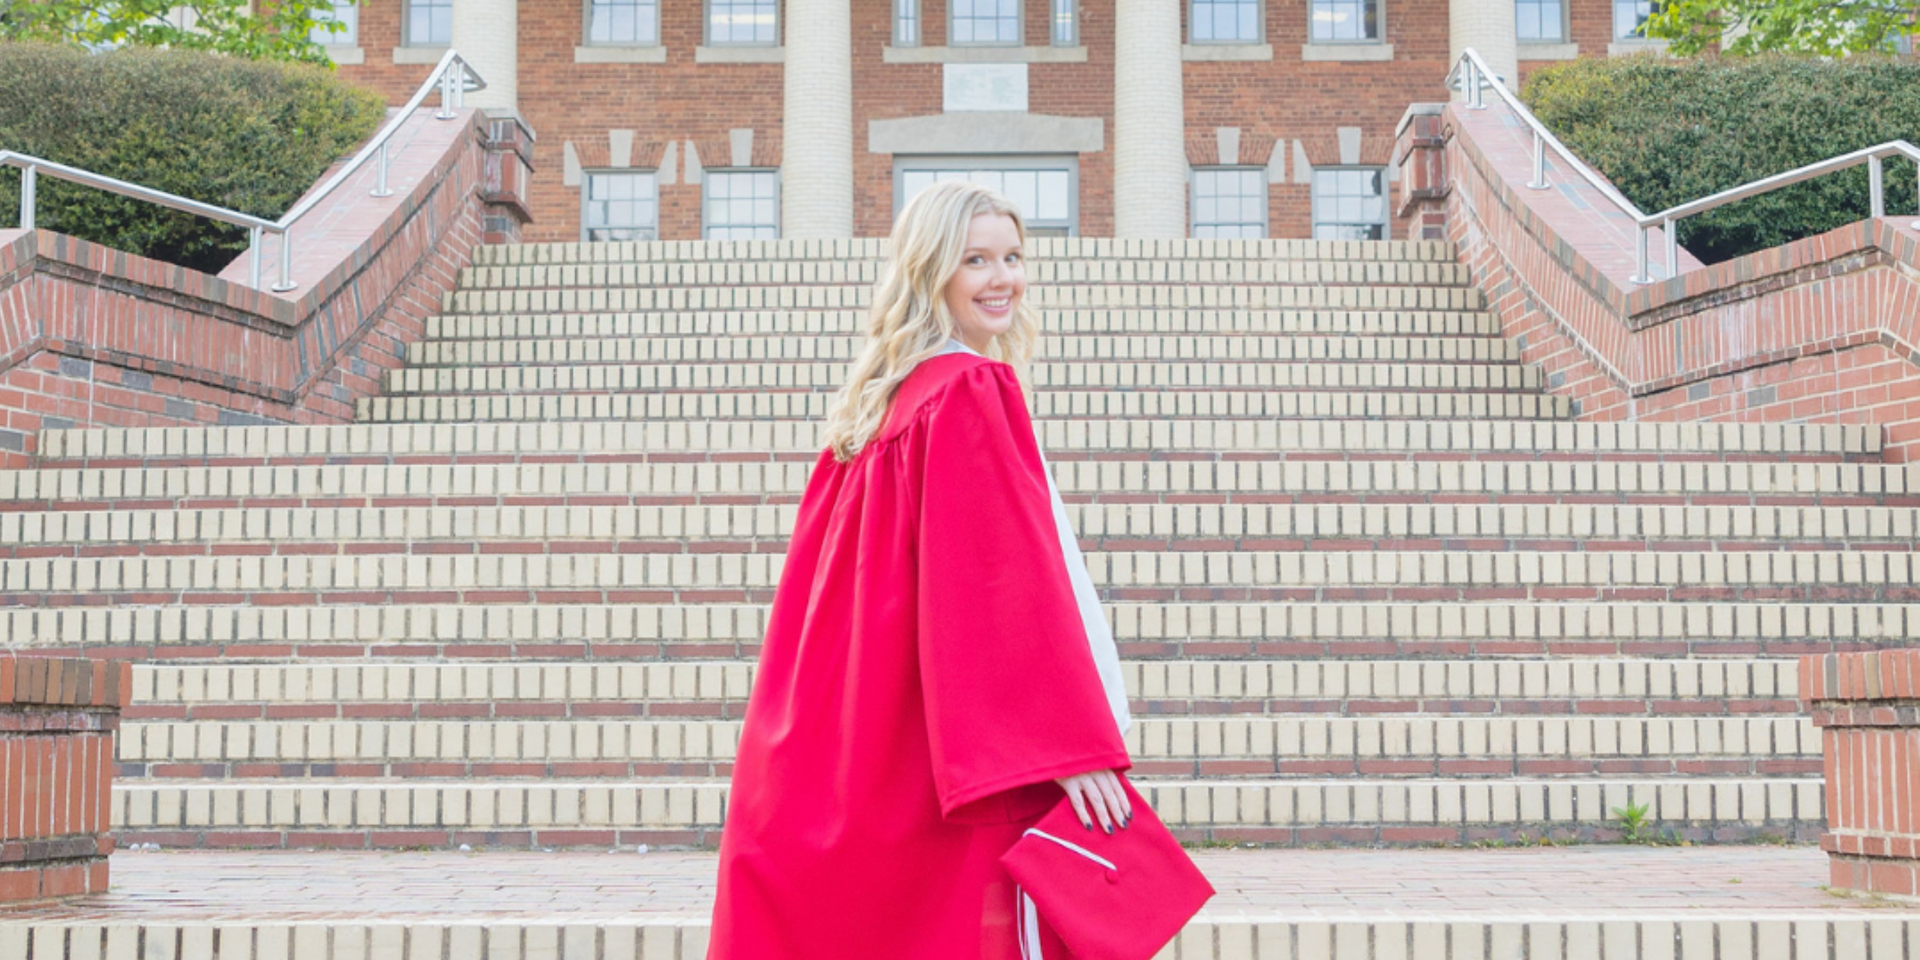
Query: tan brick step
x=875, y=248
x=1131, y=482
x=1113, y=527
x=1057, y=323
x=1053, y=273
x=393, y=689
x=1044, y=377
x=860, y=297
x=587, y=813
x=621, y=632
x=1063, y=440
x=1163, y=405
x=1230, y=746
x=1405, y=576
x=834, y=352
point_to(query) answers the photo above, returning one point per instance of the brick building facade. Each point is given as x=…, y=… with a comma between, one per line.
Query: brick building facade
x=682, y=120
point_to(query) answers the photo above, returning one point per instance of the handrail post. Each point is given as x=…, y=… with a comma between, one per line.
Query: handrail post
x=253, y=257
x=1673, y=247
x=1539, y=162
x=1475, y=80
x=1640, y=274
x=446, y=96
x=380, y=188
x=286, y=263
x=460, y=85
x=1876, y=188
x=28, y=178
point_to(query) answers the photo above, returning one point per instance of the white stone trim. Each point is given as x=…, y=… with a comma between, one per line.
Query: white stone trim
x=1226, y=52
x=1358, y=52
x=892, y=54
x=1549, y=51
x=742, y=53
x=345, y=56
x=620, y=54
x=413, y=55
x=1627, y=48
x=999, y=134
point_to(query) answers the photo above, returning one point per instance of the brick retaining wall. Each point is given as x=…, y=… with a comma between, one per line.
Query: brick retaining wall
x=57, y=722
x=91, y=336
x=1868, y=707
x=1821, y=330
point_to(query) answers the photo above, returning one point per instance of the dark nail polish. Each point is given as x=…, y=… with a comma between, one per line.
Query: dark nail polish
x=1089, y=827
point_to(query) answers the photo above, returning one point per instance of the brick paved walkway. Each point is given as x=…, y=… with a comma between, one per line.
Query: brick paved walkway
x=1327, y=885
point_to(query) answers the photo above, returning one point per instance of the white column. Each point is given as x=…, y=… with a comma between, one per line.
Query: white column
x=1486, y=26
x=487, y=34
x=1149, y=121
x=816, y=164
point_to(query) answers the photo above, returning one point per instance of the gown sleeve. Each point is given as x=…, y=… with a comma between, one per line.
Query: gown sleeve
x=1012, y=696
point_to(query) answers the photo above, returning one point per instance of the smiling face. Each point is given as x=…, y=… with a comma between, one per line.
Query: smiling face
x=985, y=290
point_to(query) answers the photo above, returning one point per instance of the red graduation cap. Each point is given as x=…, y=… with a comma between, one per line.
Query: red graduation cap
x=1108, y=897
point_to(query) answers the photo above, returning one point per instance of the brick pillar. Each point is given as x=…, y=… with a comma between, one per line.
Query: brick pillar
x=1149, y=121
x=57, y=718
x=1489, y=28
x=1867, y=706
x=504, y=189
x=1420, y=151
x=487, y=33
x=816, y=166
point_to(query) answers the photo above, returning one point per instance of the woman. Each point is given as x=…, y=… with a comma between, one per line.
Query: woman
x=928, y=684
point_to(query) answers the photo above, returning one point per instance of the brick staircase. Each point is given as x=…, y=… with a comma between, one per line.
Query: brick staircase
x=1373, y=586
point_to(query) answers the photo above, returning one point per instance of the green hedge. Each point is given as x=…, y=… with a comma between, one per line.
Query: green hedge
x=246, y=135
x=1667, y=131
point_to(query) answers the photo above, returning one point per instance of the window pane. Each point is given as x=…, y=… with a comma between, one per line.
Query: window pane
x=1345, y=19
x=1349, y=204
x=1629, y=17
x=1540, y=20
x=622, y=205
x=740, y=21
x=1043, y=195
x=1232, y=21
x=1229, y=203
x=984, y=21
x=344, y=12
x=740, y=205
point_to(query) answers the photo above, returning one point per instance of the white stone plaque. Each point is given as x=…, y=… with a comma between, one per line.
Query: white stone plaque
x=986, y=86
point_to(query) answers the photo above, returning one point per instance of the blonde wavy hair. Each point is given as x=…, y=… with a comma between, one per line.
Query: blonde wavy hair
x=909, y=321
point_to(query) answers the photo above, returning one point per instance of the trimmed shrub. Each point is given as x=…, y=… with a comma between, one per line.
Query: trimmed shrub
x=1668, y=131
x=246, y=135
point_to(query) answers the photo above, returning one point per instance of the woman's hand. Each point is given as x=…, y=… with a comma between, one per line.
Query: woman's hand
x=1098, y=796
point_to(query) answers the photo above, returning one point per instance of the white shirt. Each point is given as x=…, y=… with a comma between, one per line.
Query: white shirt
x=1106, y=656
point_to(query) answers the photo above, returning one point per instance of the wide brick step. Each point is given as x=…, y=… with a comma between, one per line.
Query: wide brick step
x=1165, y=406
x=626, y=632
x=559, y=813
x=398, y=689
x=1060, y=324
x=1163, y=296
x=1617, y=902
x=1063, y=440
x=1263, y=575
x=1052, y=273
x=1136, y=481
x=1285, y=746
x=587, y=374
x=875, y=248
x=1101, y=527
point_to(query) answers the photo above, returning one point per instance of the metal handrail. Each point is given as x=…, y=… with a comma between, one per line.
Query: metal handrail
x=1472, y=75
x=452, y=98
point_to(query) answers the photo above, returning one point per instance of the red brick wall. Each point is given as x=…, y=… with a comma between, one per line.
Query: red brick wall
x=57, y=720
x=680, y=100
x=1868, y=707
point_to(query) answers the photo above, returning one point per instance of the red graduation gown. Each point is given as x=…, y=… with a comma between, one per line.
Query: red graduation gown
x=924, y=678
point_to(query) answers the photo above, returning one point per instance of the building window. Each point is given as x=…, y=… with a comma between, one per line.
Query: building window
x=344, y=12
x=621, y=205
x=1540, y=21
x=429, y=23
x=1223, y=21
x=1350, y=204
x=624, y=22
x=1630, y=18
x=906, y=23
x=1230, y=203
x=1066, y=23
x=1345, y=21
x=740, y=205
x=742, y=23
x=989, y=22
x=1045, y=190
